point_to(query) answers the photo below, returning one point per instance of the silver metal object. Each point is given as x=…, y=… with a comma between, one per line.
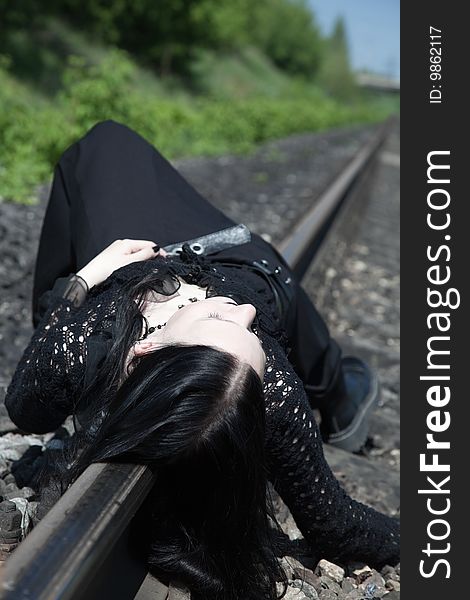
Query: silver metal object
x=214, y=242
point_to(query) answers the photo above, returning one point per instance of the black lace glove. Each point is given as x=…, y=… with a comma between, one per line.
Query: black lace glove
x=73, y=288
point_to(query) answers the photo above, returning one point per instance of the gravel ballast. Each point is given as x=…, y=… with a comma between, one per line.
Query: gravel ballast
x=355, y=287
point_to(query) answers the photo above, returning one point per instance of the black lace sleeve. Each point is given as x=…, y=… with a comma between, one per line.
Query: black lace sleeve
x=336, y=527
x=51, y=370
x=73, y=287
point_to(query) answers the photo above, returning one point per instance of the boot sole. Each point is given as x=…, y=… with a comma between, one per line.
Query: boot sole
x=354, y=436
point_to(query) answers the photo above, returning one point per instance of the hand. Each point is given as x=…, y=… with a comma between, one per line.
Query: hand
x=116, y=255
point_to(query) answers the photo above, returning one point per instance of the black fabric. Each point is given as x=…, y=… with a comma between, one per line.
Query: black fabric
x=112, y=184
x=51, y=373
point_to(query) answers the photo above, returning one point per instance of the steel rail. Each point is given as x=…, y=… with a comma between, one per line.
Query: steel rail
x=70, y=544
x=80, y=547
x=296, y=245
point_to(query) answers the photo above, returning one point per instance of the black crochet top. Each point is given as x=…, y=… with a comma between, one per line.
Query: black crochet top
x=70, y=342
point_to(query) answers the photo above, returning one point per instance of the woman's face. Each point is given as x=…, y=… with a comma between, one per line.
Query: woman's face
x=218, y=322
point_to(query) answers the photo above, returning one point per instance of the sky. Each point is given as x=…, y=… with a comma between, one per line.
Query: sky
x=373, y=28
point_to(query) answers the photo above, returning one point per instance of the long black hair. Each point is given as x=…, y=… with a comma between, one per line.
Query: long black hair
x=196, y=416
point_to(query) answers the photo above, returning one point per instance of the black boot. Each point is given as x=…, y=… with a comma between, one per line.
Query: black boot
x=346, y=411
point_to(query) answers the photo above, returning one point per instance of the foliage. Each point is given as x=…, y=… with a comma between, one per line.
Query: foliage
x=335, y=74
x=21, y=13
x=237, y=73
x=286, y=31
x=34, y=131
x=167, y=34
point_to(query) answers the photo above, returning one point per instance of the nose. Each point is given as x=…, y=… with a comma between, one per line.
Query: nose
x=244, y=314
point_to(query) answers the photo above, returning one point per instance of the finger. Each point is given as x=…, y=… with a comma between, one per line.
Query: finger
x=159, y=251
x=137, y=245
x=142, y=254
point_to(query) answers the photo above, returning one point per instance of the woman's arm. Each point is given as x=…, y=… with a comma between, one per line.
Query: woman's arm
x=73, y=288
x=117, y=255
x=336, y=527
x=49, y=376
x=50, y=372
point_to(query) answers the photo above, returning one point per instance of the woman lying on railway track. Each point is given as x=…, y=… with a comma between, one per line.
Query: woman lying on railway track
x=203, y=363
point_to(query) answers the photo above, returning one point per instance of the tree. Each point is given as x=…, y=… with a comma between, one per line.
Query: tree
x=286, y=31
x=335, y=73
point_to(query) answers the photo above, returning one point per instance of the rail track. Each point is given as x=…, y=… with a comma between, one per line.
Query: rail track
x=81, y=548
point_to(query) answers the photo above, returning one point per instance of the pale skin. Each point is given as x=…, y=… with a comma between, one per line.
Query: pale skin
x=217, y=322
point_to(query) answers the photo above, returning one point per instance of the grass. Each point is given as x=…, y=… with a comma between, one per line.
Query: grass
x=57, y=84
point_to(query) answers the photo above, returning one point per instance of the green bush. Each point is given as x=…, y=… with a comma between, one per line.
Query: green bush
x=335, y=74
x=34, y=131
x=166, y=34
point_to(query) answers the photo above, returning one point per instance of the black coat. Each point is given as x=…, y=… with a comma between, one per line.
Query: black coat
x=67, y=347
